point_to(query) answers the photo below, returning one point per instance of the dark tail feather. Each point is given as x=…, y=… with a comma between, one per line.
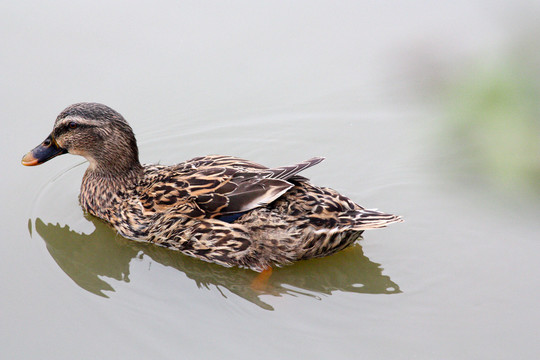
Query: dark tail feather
x=373, y=219
x=286, y=172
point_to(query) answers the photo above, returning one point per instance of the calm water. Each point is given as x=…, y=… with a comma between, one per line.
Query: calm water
x=423, y=111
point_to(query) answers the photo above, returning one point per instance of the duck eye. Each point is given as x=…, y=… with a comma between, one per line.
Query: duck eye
x=47, y=142
x=72, y=125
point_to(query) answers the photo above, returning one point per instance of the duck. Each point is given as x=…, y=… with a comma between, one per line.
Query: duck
x=218, y=208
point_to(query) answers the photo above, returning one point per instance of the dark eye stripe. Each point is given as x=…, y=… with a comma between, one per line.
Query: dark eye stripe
x=66, y=128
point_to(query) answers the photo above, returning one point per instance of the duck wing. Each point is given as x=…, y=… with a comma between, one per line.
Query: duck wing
x=220, y=185
x=245, y=189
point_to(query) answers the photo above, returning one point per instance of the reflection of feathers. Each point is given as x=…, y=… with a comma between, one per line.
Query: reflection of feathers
x=93, y=260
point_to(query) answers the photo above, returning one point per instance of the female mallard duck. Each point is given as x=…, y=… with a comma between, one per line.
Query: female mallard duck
x=220, y=209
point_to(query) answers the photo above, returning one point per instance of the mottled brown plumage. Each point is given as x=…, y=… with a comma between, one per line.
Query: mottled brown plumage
x=217, y=208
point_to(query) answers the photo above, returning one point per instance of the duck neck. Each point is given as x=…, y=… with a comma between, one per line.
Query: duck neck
x=103, y=190
x=126, y=172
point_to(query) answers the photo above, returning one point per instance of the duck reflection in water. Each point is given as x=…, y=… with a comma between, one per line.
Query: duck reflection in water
x=89, y=259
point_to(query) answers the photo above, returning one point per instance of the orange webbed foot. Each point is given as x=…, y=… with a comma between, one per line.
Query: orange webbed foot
x=260, y=282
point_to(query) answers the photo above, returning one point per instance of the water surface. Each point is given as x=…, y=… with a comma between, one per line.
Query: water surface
x=426, y=112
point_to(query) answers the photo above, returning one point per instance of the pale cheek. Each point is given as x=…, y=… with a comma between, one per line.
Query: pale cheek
x=84, y=154
x=77, y=152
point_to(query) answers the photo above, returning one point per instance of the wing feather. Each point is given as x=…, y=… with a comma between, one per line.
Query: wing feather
x=219, y=185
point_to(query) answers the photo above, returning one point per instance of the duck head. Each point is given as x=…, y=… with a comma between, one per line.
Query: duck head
x=94, y=131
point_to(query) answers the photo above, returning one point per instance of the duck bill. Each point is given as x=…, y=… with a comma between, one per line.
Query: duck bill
x=43, y=152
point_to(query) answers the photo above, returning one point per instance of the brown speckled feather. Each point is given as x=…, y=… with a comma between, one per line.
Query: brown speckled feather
x=217, y=208
x=216, y=185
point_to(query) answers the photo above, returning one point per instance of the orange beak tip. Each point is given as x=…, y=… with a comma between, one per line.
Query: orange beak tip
x=29, y=160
